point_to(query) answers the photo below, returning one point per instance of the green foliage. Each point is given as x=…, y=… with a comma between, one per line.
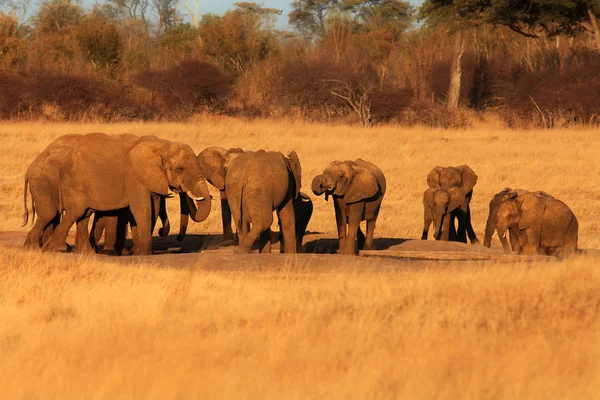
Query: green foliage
x=236, y=40
x=180, y=40
x=99, y=40
x=57, y=16
x=526, y=17
x=12, y=41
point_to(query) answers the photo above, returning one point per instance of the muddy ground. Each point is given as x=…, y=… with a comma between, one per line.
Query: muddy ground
x=208, y=252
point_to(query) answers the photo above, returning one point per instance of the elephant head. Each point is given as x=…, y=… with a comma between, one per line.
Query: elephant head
x=346, y=179
x=162, y=166
x=498, y=199
x=457, y=181
x=214, y=162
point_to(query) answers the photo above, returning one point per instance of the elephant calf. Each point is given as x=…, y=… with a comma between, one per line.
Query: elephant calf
x=357, y=188
x=448, y=198
x=538, y=223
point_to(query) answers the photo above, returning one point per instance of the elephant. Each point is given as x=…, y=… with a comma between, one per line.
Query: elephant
x=42, y=180
x=214, y=162
x=448, y=198
x=538, y=223
x=103, y=173
x=258, y=183
x=303, y=209
x=358, y=188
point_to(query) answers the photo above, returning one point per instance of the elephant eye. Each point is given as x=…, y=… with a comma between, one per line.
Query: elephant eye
x=179, y=169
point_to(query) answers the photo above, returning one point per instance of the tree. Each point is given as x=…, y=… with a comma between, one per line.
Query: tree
x=530, y=18
x=309, y=16
x=57, y=15
x=136, y=9
x=238, y=39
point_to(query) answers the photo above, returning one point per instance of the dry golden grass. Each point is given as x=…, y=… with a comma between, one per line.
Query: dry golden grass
x=127, y=328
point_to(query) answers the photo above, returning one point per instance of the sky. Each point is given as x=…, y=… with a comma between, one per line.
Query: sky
x=217, y=7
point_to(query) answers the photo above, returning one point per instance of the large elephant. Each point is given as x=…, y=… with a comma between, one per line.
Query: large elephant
x=538, y=223
x=258, y=183
x=103, y=173
x=448, y=198
x=357, y=188
x=214, y=162
x=42, y=179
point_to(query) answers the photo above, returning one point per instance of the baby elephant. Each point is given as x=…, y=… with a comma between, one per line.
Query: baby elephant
x=538, y=223
x=357, y=188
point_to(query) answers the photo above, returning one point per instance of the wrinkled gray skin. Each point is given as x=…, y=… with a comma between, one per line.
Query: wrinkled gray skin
x=448, y=198
x=258, y=183
x=303, y=209
x=214, y=162
x=103, y=173
x=41, y=179
x=357, y=188
x=538, y=224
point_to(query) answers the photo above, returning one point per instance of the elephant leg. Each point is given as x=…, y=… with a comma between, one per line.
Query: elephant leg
x=58, y=240
x=470, y=231
x=427, y=221
x=460, y=234
x=226, y=219
x=44, y=222
x=110, y=223
x=264, y=241
x=141, y=208
x=49, y=230
x=287, y=219
x=248, y=240
x=82, y=242
x=370, y=231
x=164, y=217
x=355, y=212
x=341, y=221
x=532, y=244
x=360, y=239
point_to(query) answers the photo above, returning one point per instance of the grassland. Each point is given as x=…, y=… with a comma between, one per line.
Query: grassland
x=130, y=328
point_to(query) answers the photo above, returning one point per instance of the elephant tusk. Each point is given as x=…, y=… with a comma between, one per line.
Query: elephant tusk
x=198, y=199
x=305, y=199
x=495, y=234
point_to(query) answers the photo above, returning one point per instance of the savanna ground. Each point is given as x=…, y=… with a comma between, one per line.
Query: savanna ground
x=312, y=326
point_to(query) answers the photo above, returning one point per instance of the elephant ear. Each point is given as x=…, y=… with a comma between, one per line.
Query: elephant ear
x=293, y=164
x=469, y=178
x=532, y=209
x=148, y=168
x=433, y=178
x=363, y=185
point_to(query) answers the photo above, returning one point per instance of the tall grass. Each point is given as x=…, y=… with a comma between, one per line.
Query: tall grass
x=312, y=326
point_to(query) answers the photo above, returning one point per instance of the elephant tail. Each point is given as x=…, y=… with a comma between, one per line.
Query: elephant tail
x=26, y=207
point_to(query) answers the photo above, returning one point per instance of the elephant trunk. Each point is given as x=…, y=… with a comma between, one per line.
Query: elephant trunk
x=502, y=235
x=321, y=184
x=437, y=224
x=199, y=201
x=490, y=227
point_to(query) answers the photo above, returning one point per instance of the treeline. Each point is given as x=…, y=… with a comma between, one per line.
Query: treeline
x=355, y=61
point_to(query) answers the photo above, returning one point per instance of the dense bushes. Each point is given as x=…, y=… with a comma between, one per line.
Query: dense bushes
x=361, y=65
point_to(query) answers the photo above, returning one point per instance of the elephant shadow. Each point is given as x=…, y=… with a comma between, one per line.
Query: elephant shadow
x=314, y=242
x=322, y=245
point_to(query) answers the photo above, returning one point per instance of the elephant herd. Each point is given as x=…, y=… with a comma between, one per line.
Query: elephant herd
x=537, y=222
x=125, y=180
